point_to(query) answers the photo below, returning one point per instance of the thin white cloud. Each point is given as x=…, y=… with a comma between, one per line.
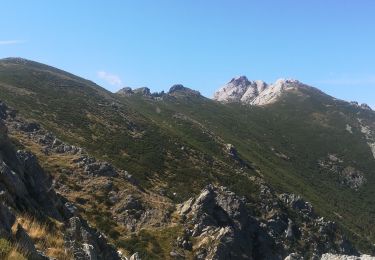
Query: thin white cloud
x=112, y=79
x=10, y=42
x=349, y=81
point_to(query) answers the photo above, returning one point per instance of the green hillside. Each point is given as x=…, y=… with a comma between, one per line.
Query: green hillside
x=178, y=143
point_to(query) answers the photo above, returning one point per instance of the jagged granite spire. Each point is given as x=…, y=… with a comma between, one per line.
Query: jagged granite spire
x=257, y=92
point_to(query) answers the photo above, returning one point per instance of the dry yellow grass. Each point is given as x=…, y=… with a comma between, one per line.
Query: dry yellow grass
x=47, y=238
x=14, y=254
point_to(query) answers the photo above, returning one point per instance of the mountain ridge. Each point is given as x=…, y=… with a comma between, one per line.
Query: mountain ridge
x=309, y=145
x=245, y=99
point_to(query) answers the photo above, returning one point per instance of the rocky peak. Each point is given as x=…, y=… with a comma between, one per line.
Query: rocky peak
x=179, y=89
x=235, y=89
x=142, y=91
x=254, y=89
x=240, y=81
x=256, y=92
x=126, y=91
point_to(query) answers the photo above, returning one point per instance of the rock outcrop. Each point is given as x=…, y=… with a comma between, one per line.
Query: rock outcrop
x=179, y=90
x=242, y=90
x=144, y=91
x=222, y=226
x=25, y=188
x=346, y=257
x=86, y=243
x=126, y=91
x=347, y=175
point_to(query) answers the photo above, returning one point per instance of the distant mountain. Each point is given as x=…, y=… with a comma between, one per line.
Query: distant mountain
x=262, y=172
x=242, y=90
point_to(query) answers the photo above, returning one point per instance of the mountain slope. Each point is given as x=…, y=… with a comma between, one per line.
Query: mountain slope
x=303, y=142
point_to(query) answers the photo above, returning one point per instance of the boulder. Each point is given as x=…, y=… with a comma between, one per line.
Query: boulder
x=346, y=257
x=3, y=111
x=221, y=223
x=29, y=127
x=100, y=169
x=87, y=243
x=294, y=256
x=7, y=220
x=135, y=256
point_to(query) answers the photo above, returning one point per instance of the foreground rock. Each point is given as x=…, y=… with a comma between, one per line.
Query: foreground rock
x=222, y=226
x=87, y=243
x=345, y=257
x=26, y=189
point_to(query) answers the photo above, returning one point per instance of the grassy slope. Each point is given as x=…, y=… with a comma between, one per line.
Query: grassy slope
x=306, y=130
x=145, y=137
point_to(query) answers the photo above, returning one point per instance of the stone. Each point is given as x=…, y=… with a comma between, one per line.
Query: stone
x=3, y=111
x=86, y=243
x=144, y=91
x=12, y=181
x=71, y=208
x=100, y=169
x=126, y=91
x=7, y=220
x=352, y=177
x=29, y=127
x=289, y=233
x=135, y=256
x=294, y=256
x=346, y=257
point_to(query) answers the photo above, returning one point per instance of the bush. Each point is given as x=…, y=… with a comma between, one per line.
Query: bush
x=5, y=248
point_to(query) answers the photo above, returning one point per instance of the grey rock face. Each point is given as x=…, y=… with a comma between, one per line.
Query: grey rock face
x=38, y=185
x=348, y=175
x=7, y=220
x=294, y=256
x=179, y=89
x=241, y=90
x=3, y=111
x=12, y=181
x=222, y=227
x=135, y=256
x=3, y=132
x=352, y=177
x=125, y=92
x=100, y=169
x=26, y=187
x=144, y=91
x=86, y=243
x=366, y=107
x=297, y=203
x=221, y=223
x=29, y=127
x=96, y=168
x=346, y=257
x=30, y=186
x=236, y=89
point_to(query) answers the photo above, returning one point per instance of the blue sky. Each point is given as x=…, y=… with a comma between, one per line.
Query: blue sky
x=201, y=44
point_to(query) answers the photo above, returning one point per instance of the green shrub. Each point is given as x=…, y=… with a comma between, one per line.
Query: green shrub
x=5, y=248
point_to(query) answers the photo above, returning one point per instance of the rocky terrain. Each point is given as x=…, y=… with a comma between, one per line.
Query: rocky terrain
x=257, y=92
x=141, y=175
x=217, y=224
